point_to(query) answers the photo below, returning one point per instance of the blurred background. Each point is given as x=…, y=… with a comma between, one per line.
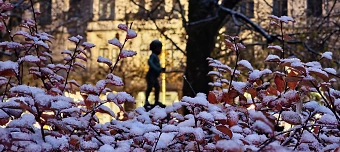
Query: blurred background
x=190, y=30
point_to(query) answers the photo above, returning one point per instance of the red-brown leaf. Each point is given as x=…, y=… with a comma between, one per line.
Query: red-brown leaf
x=280, y=84
x=225, y=130
x=212, y=98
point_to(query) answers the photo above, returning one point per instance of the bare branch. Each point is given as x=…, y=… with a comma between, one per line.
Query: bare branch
x=158, y=28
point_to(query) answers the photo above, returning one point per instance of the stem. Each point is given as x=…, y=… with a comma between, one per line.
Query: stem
x=236, y=65
x=158, y=139
x=71, y=61
x=35, y=19
x=186, y=80
x=5, y=92
x=37, y=118
x=120, y=51
x=283, y=42
x=326, y=102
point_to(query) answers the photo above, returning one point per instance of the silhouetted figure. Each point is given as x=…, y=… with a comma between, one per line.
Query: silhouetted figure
x=155, y=70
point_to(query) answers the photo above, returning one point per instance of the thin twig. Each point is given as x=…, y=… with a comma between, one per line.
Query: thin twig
x=186, y=80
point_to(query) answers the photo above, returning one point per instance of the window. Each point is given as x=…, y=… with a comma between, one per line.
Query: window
x=106, y=9
x=158, y=9
x=314, y=8
x=74, y=10
x=247, y=8
x=109, y=54
x=141, y=14
x=45, y=17
x=280, y=8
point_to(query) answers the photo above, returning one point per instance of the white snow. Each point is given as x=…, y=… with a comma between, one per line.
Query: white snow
x=327, y=55
x=115, y=42
x=328, y=120
x=127, y=53
x=246, y=64
x=275, y=47
x=131, y=34
x=104, y=60
x=74, y=39
x=88, y=45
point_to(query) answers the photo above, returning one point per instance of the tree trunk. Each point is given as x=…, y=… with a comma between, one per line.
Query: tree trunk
x=201, y=42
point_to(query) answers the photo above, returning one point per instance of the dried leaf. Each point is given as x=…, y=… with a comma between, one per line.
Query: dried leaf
x=286, y=37
x=280, y=84
x=225, y=130
x=212, y=98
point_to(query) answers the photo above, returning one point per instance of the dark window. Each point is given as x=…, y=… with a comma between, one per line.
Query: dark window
x=141, y=14
x=106, y=9
x=74, y=10
x=247, y=8
x=280, y=8
x=158, y=9
x=45, y=17
x=314, y=8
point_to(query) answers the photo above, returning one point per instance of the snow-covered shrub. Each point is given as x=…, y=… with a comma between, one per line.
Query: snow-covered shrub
x=235, y=116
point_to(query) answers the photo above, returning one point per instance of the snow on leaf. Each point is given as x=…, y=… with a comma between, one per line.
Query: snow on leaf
x=105, y=109
x=30, y=58
x=79, y=37
x=127, y=53
x=25, y=121
x=275, y=47
x=42, y=43
x=74, y=39
x=256, y=74
x=272, y=58
x=273, y=17
x=106, y=148
x=200, y=99
x=131, y=34
x=319, y=73
x=328, y=120
x=239, y=86
x=66, y=52
x=61, y=104
x=79, y=56
x=79, y=65
x=104, y=60
x=114, y=80
x=123, y=27
x=246, y=64
x=8, y=68
x=262, y=127
x=26, y=90
x=228, y=145
x=93, y=98
x=291, y=117
x=158, y=113
x=115, y=42
x=88, y=45
x=74, y=82
x=327, y=55
x=214, y=73
x=312, y=105
x=11, y=45
x=308, y=137
x=286, y=19
x=330, y=70
x=88, y=88
x=23, y=33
